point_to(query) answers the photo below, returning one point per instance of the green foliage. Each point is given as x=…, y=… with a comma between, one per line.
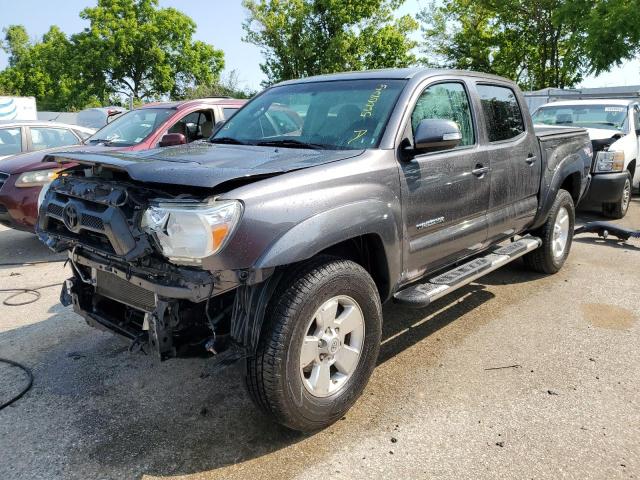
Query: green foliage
x=227, y=86
x=612, y=30
x=47, y=70
x=145, y=51
x=299, y=38
x=538, y=43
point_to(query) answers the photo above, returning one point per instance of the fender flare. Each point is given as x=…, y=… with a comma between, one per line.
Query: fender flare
x=334, y=226
x=552, y=186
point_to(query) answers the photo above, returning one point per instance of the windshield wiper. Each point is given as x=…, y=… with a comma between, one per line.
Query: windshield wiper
x=227, y=140
x=98, y=140
x=292, y=144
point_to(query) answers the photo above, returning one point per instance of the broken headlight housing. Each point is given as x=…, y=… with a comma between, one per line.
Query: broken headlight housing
x=609, y=161
x=187, y=232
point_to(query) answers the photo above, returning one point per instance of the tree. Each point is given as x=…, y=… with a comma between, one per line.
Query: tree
x=299, y=38
x=48, y=70
x=612, y=31
x=227, y=86
x=537, y=43
x=145, y=51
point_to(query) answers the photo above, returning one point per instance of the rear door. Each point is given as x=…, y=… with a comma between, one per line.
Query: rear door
x=513, y=156
x=444, y=201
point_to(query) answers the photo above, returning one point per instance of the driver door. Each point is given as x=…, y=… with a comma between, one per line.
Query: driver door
x=445, y=193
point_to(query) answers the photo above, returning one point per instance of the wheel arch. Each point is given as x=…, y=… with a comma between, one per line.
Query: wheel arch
x=366, y=232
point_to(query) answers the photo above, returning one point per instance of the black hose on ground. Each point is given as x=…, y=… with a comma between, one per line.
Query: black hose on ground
x=16, y=292
x=25, y=389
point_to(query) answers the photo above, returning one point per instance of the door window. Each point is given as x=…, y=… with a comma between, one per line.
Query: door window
x=501, y=112
x=195, y=126
x=445, y=101
x=636, y=118
x=46, y=137
x=10, y=141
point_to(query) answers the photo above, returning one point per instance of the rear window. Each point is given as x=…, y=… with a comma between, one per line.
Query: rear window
x=501, y=112
x=228, y=112
x=10, y=141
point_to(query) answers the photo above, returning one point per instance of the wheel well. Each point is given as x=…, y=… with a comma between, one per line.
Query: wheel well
x=572, y=185
x=632, y=168
x=368, y=252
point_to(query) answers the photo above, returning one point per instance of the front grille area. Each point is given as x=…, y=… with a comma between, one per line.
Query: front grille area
x=92, y=222
x=98, y=214
x=111, y=286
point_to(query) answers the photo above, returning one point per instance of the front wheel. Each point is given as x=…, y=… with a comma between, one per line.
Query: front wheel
x=619, y=209
x=318, y=346
x=556, y=234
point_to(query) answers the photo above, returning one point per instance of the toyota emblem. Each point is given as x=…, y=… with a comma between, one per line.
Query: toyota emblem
x=71, y=217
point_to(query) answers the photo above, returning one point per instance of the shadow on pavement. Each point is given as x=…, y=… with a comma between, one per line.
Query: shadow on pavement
x=20, y=247
x=114, y=414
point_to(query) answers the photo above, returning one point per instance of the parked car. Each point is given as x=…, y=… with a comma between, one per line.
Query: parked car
x=614, y=129
x=18, y=136
x=151, y=126
x=279, y=248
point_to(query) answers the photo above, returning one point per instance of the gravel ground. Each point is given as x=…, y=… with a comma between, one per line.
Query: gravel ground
x=439, y=404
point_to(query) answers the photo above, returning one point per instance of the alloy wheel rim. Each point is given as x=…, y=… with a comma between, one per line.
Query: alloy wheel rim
x=560, y=233
x=332, y=346
x=626, y=195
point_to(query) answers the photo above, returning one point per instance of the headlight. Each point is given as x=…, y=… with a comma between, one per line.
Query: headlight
x=609, y=161
x=188, y=232
x=36, y=178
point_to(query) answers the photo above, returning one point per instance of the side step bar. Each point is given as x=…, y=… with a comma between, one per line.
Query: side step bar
x=422, y=294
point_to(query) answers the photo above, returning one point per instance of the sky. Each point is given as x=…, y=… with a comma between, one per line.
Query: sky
x=219, y=23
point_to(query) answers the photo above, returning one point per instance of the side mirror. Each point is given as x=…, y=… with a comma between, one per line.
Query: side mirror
x=171, y=139
x=434, y=134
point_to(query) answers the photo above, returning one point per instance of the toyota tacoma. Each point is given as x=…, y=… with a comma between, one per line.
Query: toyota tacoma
x=277, y=241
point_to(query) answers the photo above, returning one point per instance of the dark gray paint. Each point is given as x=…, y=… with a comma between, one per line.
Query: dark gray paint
x=312, y=200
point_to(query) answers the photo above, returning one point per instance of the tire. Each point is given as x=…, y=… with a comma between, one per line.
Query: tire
x=276, y=380
x=619, y=209
x=549, y=257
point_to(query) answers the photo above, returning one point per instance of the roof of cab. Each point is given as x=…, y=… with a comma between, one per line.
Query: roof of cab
x=179, y=105
x=394, y=74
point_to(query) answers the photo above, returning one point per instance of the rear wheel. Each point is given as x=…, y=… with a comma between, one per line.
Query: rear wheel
x=556, y=235
x=318, y=346
x=619, y=209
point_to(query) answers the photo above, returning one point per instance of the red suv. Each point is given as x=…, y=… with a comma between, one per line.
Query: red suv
x=154, y=125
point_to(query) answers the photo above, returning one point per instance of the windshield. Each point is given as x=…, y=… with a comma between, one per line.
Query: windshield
x=349, y=114
x=609, y=117
x=131, y=128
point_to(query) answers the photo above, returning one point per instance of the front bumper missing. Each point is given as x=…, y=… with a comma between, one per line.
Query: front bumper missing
x=146, y=312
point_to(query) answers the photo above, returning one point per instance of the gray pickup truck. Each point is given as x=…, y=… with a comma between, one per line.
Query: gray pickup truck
x=277, y=241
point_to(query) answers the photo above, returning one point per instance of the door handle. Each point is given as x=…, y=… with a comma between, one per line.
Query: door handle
x=480, y=170
x=531, y=159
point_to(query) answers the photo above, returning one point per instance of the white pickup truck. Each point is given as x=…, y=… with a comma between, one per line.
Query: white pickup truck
x=614, y=129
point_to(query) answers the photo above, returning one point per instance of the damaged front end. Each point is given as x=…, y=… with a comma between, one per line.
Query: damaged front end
x=136, y=256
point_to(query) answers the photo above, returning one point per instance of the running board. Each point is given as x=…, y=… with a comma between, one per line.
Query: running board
x=422, y=294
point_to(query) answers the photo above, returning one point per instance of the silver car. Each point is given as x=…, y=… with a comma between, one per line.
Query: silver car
x=18, y=136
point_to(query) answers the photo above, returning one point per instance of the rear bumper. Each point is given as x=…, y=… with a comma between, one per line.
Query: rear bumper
x=604, y=188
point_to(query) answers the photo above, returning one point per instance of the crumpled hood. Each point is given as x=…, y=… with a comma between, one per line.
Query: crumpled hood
x=203, y=164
